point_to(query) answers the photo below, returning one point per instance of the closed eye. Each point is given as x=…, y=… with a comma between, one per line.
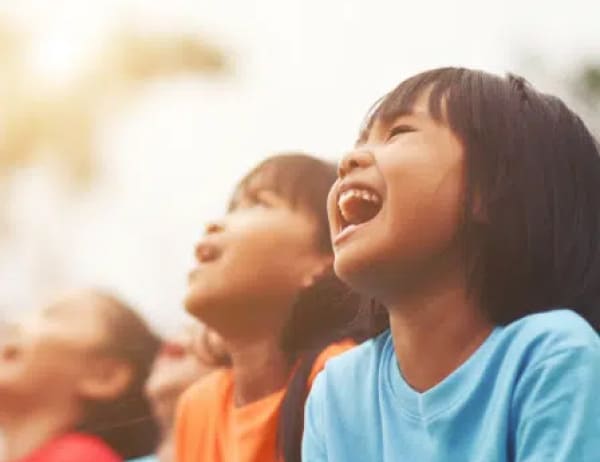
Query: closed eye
x=261, y=199
x=400, y=130
x=254, y=198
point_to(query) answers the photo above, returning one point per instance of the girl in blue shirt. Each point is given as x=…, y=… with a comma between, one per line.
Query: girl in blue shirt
x=469, y=208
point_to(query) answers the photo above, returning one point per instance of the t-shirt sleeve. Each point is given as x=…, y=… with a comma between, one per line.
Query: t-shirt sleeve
x=557, y=408
x=313, y=442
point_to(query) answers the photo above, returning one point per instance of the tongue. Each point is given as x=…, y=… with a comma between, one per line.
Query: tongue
x=356, y=210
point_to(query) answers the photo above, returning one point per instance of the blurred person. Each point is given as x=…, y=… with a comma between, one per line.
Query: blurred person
x=72, y=380
x=264, y=283
x=180, y=362
x=469, y=207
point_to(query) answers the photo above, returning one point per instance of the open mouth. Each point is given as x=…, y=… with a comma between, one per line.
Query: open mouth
x=357, y=205
x=205, y=253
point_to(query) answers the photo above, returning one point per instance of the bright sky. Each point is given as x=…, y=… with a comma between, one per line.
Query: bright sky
x=305, y=73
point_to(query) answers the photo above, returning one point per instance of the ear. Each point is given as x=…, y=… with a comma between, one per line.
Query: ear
x=321, y=264
x=106, y=379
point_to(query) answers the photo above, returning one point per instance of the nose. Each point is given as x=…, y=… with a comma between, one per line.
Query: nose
x=357, y=158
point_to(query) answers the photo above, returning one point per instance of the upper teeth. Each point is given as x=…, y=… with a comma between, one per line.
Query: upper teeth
x=361, y=193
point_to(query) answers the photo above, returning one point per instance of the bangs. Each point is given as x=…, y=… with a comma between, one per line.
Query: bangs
x=273, y=175
x=438, y=84
x=530, y=221
x=290, y=176
x=301, y=180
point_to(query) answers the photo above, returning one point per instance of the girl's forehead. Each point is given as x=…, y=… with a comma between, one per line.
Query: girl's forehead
x=265, y=179
x=260, y=180
x=74, y=304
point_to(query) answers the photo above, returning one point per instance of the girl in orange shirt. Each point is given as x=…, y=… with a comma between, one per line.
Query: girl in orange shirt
x=265, y=285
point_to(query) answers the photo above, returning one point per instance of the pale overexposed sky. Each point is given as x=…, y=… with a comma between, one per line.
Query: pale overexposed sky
x=305, y=72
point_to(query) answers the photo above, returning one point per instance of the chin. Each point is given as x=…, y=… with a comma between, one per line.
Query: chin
x=207, y=308
x=196, y=304
x=352, y=271
x=366, y=272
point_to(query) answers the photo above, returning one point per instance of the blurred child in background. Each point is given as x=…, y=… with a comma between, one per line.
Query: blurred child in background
x=178, y=364
x=72, y=381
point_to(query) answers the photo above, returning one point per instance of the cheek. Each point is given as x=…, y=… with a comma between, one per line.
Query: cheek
x=427, y=224
x=425, y=192
x=274, y=249
x=44, y=366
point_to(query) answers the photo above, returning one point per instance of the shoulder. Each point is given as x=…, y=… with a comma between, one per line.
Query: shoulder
x=199, y=411
x=357, y=367
x=208, y=389
x=77, y=446
x=543, y=335
x=331, y=351
x=354, y=373
x=559, y=323
x=554, y=400
x=204, y=400
x=360, y=359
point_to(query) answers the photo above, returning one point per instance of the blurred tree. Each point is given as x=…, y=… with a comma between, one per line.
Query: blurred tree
x=586, y=85
x=45, y=122
x=577, y=83
x=40, y=121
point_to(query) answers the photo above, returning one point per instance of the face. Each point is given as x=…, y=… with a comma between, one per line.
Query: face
x=44, y=353
x=176, y=367
x=395, y=209
x=252, y=264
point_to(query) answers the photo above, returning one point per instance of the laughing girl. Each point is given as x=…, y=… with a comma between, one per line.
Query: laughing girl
x=469, y=208
x=264, y=284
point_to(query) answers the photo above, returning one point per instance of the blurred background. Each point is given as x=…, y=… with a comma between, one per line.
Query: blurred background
x=124, y=124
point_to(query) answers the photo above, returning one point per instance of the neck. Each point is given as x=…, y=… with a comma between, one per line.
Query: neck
x=435, y=329
x=25, y=431
x=166, y=449
x=259, y=367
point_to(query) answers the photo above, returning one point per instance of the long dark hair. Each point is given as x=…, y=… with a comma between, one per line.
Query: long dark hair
x=531, y=217
x=323, y=313
x=126, y=423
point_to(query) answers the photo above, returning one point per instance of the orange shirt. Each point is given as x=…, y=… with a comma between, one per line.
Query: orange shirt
x=210, y=428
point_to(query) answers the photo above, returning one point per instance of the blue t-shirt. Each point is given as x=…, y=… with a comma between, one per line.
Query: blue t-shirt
x=530, y=393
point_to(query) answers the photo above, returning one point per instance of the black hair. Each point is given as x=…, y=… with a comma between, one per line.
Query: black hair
x=325, y=312
x=531, y=217
x=126, y=423
x=303, y=181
